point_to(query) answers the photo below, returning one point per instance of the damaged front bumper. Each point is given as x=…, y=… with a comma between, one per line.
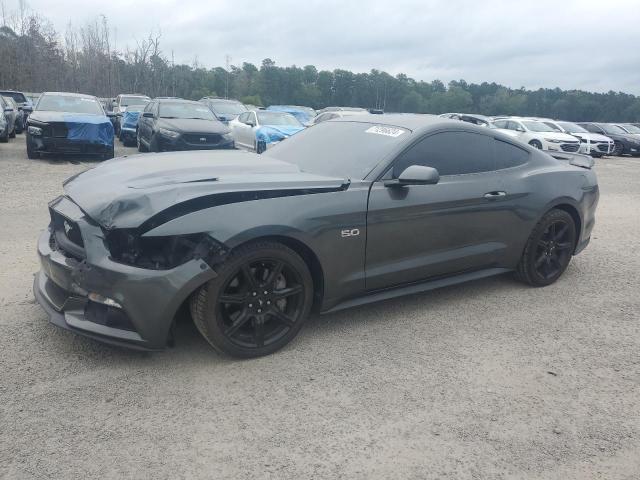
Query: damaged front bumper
x=84, y=291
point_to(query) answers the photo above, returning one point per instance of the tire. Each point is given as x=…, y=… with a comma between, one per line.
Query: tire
x=154, y=146
x=254, y=323
x=12, y=134
x=5, y=139
x=618, y=149
x=31, y=153
x=260, y=146
x=536, y=144
x=18, y=129
x=110, y=154
x=141, y=147
x=548, y=250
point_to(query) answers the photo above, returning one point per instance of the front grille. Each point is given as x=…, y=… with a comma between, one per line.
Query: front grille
x=603, y=147
x=59, y=130
x=570, y=147
x=108, y=316
x=202, y=139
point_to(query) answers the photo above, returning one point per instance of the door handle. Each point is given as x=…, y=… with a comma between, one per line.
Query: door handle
x=495, y=195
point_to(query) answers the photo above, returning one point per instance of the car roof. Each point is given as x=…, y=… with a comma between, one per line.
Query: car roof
x=70, y=94
x=409, y=121
x=176, y=100
x=220, y=100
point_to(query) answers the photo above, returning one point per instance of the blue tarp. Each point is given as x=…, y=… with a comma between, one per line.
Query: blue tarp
x=275, y=133
x=301, y=115
x=95, y=129
x=130, y=119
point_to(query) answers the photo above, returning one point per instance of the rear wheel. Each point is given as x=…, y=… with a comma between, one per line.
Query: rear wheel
x=548, y=250
x=257, y=304
x=536, y=144
x=154, y=144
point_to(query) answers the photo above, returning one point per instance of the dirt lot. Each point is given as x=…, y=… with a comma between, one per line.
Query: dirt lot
x=491, y=379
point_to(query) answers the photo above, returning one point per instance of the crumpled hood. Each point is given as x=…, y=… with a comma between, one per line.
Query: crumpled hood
x=126, y=191
x=275, y=133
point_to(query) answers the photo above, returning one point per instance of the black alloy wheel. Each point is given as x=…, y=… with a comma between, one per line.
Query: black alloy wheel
x=618, y=149
x=549, y=249
x=536, y=144
x=257, y=304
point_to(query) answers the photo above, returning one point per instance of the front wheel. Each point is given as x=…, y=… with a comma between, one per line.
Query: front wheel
x=13, y=133
x=548, y=250
x=31, y=153
x=141, y=147
x=257, y=304
x=618, y=149
x=536, y=144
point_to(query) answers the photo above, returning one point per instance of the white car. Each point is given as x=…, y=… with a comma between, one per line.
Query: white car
x=261, y=129
x=592, y=144
x=538, y=134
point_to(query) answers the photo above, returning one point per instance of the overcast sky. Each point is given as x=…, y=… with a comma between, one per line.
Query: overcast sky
x=584, y=44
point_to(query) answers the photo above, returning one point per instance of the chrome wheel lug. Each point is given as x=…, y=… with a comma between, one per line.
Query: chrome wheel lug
x=266, y=293
x=259, y=310
x=254, y=293
x=268, y=302
x=251, y=305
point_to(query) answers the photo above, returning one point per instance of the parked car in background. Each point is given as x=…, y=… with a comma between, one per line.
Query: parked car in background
x=10, y=114
x=69, y=123
x=629, y=128
x=124, y=100
x=224, y=109
x=330, y=115
x=341, y=109
x=4, y=128
x=175, y=124
x=305, y=115
x=263, y=129
x=592, y=144
x=625, y=143
x=537, y=134
x=25, y=105
x=345, y=213
x=129, y=124
x=19, y=125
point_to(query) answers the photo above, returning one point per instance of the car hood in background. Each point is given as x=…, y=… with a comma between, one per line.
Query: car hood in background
x=563, y=137
x=593, y=137
x=46, y=116
x=188, y=125
x=127, y=191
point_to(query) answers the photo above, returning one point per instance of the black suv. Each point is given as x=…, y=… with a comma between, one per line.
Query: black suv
x=176, y=124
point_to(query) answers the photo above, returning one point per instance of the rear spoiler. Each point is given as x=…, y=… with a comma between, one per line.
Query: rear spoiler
x=576, y=159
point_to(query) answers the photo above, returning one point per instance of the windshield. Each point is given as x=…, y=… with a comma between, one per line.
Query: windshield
x=612, y=129
x=17, y=96
x=339, y=149
x=126, y=101
x=572, y=127
x=185, y=110
x=537, y=126
x=228, y=108
x=273, y=118
x=68, y=103
x=631, y=128
x=135, y=108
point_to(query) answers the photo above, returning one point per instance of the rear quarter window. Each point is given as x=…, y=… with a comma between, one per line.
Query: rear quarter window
x=508, y=155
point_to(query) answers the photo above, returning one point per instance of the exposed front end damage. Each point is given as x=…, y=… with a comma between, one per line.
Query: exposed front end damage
x=128, y=298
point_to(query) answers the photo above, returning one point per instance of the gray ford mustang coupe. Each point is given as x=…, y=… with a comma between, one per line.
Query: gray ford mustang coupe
x=344, y=213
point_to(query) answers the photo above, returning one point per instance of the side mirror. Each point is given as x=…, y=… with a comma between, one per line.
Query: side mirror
x=415, y=175
x=147, y=115
x=520, y=129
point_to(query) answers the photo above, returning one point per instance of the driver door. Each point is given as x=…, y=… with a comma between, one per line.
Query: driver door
x=417, y=232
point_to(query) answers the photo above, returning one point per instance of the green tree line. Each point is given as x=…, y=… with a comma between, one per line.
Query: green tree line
x=34, y=57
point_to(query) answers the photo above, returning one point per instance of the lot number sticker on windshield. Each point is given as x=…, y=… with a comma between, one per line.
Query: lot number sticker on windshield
x=387, y=131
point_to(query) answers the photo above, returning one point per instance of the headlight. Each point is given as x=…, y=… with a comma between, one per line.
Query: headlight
x=168, y=133
x=35, y=131
x=553, y=140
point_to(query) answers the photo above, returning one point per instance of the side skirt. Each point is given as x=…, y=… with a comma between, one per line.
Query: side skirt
x=412, y=288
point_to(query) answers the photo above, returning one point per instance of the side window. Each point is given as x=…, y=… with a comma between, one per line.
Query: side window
x=252, y=118
x=511, y=125
x=552, y=125
x=508, y=155
x=243, y=117
x=451, y=153
x=500, y=124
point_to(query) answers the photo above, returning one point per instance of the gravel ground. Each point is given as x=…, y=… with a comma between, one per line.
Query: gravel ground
x=491, y=379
